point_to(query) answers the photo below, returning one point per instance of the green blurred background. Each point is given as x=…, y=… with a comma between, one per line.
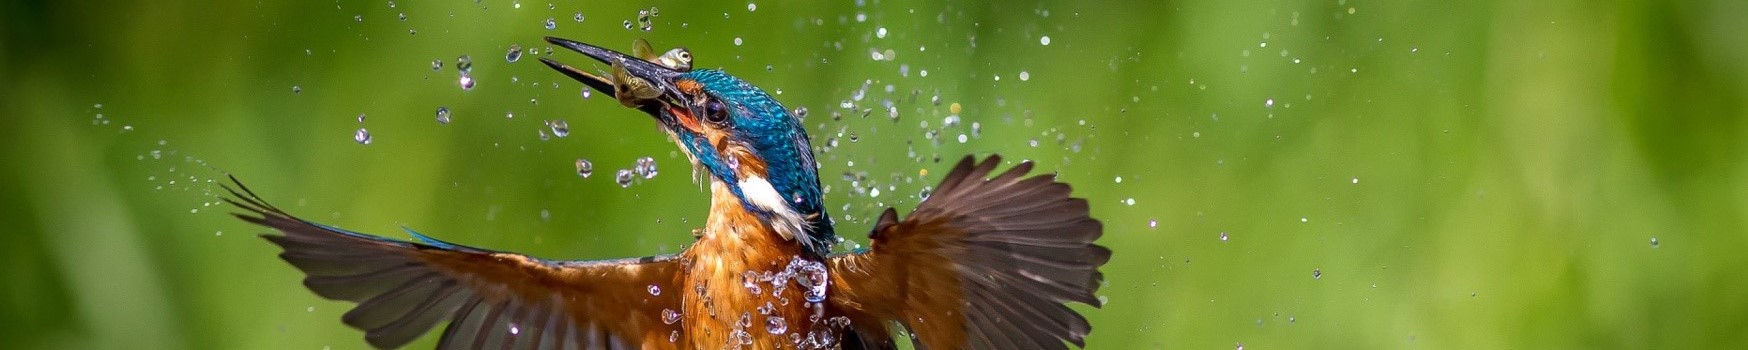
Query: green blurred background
x=1272, y=174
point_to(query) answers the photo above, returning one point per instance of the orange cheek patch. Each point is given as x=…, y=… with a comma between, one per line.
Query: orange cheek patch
x=686, y=120
x=690, y=87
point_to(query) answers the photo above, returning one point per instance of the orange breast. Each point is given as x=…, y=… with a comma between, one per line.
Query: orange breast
x=746, y=285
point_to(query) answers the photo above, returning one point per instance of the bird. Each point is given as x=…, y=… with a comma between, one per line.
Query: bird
x=988, y=260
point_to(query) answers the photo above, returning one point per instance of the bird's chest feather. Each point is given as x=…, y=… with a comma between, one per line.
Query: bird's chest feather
x=748, y=287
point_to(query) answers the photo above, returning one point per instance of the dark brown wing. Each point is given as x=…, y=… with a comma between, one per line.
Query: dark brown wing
x=984, y=263
x=492, y=300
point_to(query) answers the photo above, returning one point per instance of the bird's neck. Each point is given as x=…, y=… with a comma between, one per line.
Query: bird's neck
x=733, y=227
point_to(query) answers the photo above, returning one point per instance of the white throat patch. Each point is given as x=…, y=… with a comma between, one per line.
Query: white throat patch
x=784, y=219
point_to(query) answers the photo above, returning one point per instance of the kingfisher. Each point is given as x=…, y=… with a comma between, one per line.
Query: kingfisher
x=989, y=260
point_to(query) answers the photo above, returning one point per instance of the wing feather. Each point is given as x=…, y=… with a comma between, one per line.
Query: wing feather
x=986, y=262
x=492, y=300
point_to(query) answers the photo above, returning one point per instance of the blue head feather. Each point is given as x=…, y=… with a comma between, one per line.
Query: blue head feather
x=779, y=139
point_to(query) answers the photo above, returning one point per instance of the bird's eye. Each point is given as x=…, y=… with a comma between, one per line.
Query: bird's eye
x=715, y=112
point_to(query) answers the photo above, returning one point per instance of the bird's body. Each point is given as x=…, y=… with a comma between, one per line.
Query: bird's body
x=728, y=279
x=987, y=261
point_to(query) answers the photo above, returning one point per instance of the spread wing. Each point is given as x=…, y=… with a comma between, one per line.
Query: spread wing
x=983, y=263
x=493, y=300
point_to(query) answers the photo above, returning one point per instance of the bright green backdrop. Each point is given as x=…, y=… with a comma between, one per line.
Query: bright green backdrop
x=1461, y=174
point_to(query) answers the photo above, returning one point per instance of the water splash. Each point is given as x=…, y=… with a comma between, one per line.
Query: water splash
x=776, y=325
x=362, y=136
x=585, y=168
x=559, y=127
x=515, y=54
x=669, y=316
x=645, y=167
x=623, y=178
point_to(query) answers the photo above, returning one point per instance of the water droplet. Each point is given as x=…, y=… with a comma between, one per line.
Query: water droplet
x=551, y=24
x=296, y=89
x=577, y=17
x=1024, y=76
x=645, y=20
x=750, y=281
x=1304, y=219
x=1270, y=103
x=737, y=41
x=559, y=128
x=1356, y=180
x=963, y=138
x=623, y=177
x=514, y=330
x=880, y=33
x=1240, y=346
x=437, y=64
x=362, y=136
x=741, y=336
x=514, y=54
x=811, y=275
x=752, y=7
x=801, y=112
x=669, y=316
x=466, y=82
x=1316, y=274
x=1654, y=242
x=1129, y=201
x=628, y=24
x=1044, y=40
x=776, y=325
x=655, y=290
x=1152, y=223
x=464, y=64
x=1223, y=236
x=645, y=167
x=585, y=168
x=443, y=115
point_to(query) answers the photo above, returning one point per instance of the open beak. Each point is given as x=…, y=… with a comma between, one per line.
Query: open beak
x=634, y=82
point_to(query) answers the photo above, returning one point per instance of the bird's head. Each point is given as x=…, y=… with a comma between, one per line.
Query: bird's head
x=733, y=130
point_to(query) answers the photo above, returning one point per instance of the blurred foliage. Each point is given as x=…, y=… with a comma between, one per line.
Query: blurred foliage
x=1504, y=174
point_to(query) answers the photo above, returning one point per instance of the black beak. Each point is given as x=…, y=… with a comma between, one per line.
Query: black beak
x=660, y=77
